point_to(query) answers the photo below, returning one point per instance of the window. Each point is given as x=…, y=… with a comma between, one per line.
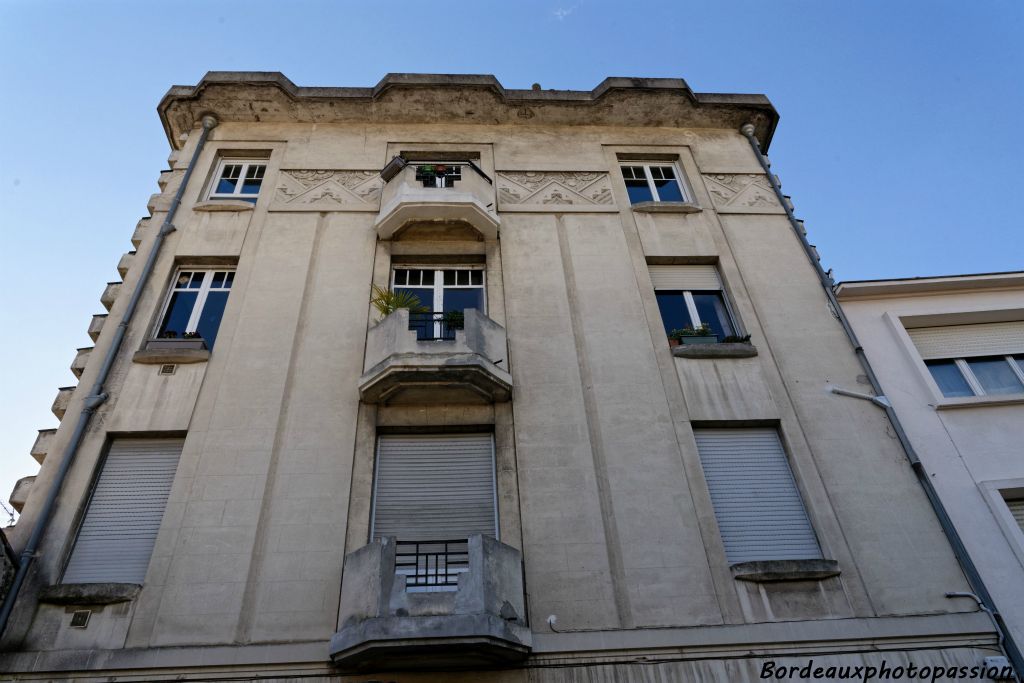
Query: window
x=756, y=501
x=123, y=517
x=196, y=304
x=691, y=296
x=985, y=376
x=239, y=179
x=442, y=292
x=984, y=359
x=432, y=492
x=658, y=182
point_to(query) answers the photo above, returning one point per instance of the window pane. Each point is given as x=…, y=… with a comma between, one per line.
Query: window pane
x=947, y=376
x=428, y=279
x=632, y=172
x=478, y=277
x=463, y=277
x=183, y=280
x=209, y=319
x=178, y=312
x=668, y=191
x=674, y=314
x=449, y=277
x=638, y=191
x=461, y=299
x=711, y=309
x=228, y=179
x=995, y=375
x=197, y=279
x=218, y=279
x=229, y=280
x=253, y=179
x=401, y=277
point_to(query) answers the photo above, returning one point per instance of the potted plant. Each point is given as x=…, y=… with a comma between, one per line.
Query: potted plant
x=698, y=335
x=169, y=340
x=426, y=173
x=387, y=302
x=454, y=320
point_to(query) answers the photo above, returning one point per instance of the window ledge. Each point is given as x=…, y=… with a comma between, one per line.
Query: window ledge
x=224, y=205
x=736, y=350
x=979, y=401
x=764, y=571
x=666, y=207
x=172, y=351
x=89, y=593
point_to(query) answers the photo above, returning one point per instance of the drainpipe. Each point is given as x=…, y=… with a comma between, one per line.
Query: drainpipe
x=973, y=577
x=97, y=396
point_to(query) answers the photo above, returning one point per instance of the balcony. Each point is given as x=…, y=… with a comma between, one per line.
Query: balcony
x=431, y=605
x=442, y=192
x=428, y=360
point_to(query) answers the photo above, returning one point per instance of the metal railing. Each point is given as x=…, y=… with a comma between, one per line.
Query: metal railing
x=431, y=565
x=436, y=325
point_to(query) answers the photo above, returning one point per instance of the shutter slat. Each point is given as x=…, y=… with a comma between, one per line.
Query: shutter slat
x=119, y=531
x=1017, y=509
x=968, y=341
x=758, y=507
x=434, y=487
x=685, y=277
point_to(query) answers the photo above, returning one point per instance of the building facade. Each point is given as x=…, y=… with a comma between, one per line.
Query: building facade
x=441, y=381
x=949, y=352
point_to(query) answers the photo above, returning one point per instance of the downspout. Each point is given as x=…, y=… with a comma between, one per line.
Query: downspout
x=973, y=577
x=97, y=396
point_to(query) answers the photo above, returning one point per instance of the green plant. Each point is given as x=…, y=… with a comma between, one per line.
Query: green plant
x=387, y=302
x=690, y=331
x=455, y=320
x=192, y=335
x=735, y=339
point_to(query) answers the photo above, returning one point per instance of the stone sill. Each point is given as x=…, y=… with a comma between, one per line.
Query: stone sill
x=765, y=571
x=666, y=207
x=737, y=350
x=89, y=593
x=980, y=401
x=224, y=205
x=159, y=351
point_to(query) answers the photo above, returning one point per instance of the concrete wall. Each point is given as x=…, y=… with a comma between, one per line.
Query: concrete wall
x=599, y=480
x=970, y=452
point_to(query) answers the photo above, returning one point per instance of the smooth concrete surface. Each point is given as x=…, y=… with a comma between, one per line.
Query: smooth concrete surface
x=598, y=481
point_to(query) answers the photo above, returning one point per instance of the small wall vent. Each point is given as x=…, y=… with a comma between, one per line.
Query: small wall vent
x=168, y=369
x=80, y=618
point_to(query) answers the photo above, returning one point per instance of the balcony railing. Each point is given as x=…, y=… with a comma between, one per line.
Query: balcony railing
x=431, y=565
x=436, y=325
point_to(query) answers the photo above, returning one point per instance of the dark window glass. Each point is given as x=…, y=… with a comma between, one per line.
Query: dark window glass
x=638, y=191
x=228, y=179
x=668, y=187
x=711, y=310
x=253, y=179
x=995, y=375
x=478, y=277
x=428, y=278
x=461, y=299
x=218, y=279
x=209, y=319
x=947, y=375
x=674, y=313
x=449, y=277
x=230, y=280
x=179, y=310
x=401, y=277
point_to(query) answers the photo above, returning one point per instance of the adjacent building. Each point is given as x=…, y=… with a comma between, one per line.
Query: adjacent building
x=438, y=380
x=949, y=352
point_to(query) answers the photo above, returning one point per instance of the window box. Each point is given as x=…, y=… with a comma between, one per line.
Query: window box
x=701, y=339
x=716, y=350
x=175, y=344
x=766, y=571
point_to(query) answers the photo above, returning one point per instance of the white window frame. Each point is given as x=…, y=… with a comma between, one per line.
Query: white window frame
x=684, y=191
x=437, y=304
x=203, y=295
x=447, y=180
x=972, y=381
x=237, y=193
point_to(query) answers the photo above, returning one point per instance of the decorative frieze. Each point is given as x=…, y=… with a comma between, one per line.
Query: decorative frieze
x=554, y=191
x=327, y=190
x=741, y=193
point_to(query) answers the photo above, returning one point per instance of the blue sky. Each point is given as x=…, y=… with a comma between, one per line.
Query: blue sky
x=900, y=124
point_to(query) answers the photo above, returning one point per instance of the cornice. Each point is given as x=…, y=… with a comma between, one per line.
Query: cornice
x=269, y=96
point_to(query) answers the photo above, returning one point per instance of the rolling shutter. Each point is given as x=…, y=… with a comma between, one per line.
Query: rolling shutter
x=1017, y=510
x=434, y=487
x=759, y=510
x=117, y=535
x=689, y=278
x=967, y=341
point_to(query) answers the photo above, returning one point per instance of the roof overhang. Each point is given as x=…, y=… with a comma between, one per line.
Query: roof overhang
x=268, y=96
x=865, y=289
